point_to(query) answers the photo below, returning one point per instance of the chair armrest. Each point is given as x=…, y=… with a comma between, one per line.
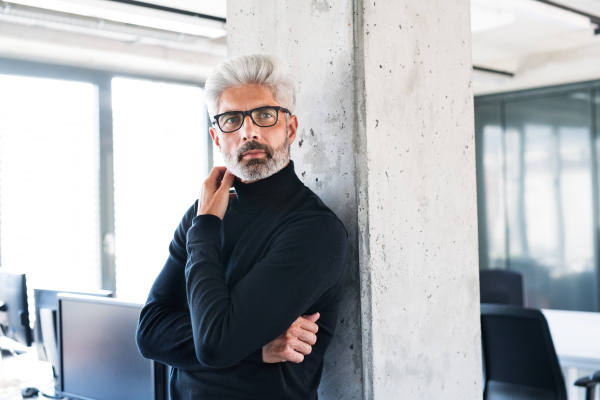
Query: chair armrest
x=589, y=383
x=586, y=381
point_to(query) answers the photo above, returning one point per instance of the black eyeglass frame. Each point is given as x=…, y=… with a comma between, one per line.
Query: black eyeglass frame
x=249, y=113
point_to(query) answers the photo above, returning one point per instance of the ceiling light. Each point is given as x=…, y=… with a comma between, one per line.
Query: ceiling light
x=484, y=18
x=535, y=10
x=130, y=14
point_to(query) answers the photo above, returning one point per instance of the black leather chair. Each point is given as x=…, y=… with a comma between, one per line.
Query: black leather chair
x=499, y=286
x=520, y=359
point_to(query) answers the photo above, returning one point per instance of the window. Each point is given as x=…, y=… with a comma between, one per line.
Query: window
x=49, y=171
x=96, y=172
x=160, y=162
x=537, y=167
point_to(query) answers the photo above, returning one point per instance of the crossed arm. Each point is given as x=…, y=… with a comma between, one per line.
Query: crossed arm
x=223, y=327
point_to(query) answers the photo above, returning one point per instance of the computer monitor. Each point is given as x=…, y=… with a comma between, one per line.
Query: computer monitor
x=14, y=314
x=44, y=328
x=99, y=358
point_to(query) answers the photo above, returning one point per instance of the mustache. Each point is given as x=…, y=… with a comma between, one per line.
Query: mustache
x=253, y=145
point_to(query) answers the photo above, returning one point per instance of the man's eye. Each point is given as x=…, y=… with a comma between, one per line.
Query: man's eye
x=266, y=114
x=232, y=120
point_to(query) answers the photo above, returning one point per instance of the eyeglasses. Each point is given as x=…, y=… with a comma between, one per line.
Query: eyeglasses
x=264, y=117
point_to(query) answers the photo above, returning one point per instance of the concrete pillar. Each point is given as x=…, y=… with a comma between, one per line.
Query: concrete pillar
x=387, y=140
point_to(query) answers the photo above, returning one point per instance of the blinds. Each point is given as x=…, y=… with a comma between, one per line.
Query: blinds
x=160, y=161
x=49, y=171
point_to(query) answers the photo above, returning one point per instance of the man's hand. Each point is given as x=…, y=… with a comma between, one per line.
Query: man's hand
x=293, y=344
x=214, y=195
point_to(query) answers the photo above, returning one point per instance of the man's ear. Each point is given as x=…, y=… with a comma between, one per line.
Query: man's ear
x=292, y=128
x=215, y=137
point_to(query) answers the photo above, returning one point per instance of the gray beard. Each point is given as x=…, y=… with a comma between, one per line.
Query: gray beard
x=255, y=168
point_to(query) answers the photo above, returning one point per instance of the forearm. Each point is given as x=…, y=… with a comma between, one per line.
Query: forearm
x=165, y=331
x=208, y=297
x=165, y=335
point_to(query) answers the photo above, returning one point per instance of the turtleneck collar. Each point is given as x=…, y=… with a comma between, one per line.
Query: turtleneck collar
x=273, y=191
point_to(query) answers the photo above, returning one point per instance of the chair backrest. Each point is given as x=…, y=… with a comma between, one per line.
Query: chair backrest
x=500, y=286
x=520, y=359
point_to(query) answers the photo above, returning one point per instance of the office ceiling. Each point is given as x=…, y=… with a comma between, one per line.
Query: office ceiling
x=505, y=32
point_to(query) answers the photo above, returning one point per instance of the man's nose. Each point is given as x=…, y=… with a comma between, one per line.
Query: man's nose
x=249, y=130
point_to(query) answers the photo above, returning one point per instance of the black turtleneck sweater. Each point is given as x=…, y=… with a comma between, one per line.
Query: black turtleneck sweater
x=230, y=287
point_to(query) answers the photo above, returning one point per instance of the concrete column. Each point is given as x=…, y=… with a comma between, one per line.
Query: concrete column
x=386, y=139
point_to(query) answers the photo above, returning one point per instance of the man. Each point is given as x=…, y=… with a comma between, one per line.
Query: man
x=227, y=310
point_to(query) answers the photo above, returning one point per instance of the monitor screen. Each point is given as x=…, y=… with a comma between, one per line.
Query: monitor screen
x=14, y=314
x=99, y=358
x=47, y=299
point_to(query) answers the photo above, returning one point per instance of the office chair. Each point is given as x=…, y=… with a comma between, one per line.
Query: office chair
x=499, y=286
x=520, y=359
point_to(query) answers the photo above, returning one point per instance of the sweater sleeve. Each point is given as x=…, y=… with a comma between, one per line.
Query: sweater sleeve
x=164, y=331
x=305, y=261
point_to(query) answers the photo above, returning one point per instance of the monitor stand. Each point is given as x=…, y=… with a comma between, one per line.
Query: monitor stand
x=48, y=325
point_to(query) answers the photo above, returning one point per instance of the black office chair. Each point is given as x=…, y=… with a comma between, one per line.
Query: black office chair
x=520, y=359
x=499, y=286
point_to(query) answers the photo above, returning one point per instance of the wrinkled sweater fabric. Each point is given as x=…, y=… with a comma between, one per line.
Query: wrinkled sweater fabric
x=231, y=286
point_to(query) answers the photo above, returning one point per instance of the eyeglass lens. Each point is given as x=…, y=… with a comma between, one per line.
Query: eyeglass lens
x=263, y=117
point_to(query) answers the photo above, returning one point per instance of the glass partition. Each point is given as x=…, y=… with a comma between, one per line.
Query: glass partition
x=492, y=204
x=539, y=196
x=549, y=193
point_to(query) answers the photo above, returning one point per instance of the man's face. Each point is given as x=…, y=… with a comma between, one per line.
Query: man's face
x=252, y=152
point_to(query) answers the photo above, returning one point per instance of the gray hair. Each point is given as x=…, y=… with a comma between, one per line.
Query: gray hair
x=253, y=69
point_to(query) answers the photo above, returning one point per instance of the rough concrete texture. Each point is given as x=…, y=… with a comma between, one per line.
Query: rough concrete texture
x=386, y=139
x=417, y=203
x=316, y=40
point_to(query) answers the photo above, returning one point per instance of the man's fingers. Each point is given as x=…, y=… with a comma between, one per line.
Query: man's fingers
x=295, y=357
x=313, y=317
x=299, y=346
x=308, y=337
x=296, y=332
x=217, y=172
x=308, y=325
x=287, y=347
x=227, y=181
x=215, y=177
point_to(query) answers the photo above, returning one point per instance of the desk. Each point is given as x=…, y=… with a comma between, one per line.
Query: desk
x=576, y=337
x=29, y=370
